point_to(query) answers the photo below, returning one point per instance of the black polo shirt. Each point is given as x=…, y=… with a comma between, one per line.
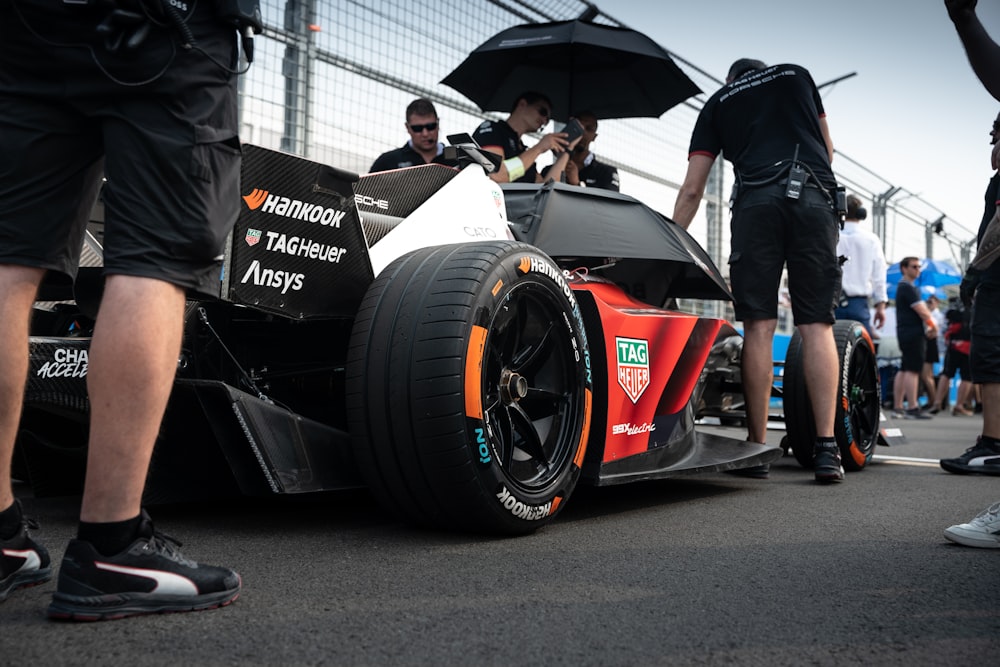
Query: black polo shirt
x=404, y=157
x=908, y=322
x=595, y=174
x=758, y=120
x=499, y=133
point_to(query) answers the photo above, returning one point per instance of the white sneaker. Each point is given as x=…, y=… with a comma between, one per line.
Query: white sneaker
x=983, y=531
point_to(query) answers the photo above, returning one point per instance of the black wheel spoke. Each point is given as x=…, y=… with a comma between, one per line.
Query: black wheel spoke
x=528, y=437
x=528, y=359
x=531, y=387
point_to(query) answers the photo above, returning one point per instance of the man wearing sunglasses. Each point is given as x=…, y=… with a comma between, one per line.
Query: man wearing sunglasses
x=530, y=113
x=422, y=147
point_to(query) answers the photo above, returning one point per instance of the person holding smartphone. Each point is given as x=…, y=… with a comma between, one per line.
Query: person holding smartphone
x=529, y=113
x=583, y=167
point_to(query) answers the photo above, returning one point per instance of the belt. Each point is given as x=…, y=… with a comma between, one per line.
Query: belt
x=860, y=296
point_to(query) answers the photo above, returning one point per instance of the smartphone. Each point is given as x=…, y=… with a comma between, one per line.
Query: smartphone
x=574, y=129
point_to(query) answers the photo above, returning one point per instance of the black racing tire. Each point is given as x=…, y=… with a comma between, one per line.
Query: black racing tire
x=469, y=388
x=858, y=398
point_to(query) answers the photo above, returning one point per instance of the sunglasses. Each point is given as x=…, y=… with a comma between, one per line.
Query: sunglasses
x=913, y=266
x=417, y=129
x=544, y=110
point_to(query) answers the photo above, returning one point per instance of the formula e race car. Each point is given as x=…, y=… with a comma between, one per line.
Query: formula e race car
x=468, y=351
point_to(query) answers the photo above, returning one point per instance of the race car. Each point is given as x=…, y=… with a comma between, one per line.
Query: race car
x=468, y=351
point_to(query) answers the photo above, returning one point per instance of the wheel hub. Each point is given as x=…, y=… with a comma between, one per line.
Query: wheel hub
x=513, y=386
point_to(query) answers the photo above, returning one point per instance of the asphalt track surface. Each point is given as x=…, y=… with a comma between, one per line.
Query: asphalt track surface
x=704, y=570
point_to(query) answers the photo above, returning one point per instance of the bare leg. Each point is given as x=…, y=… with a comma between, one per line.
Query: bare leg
x=758, y=374
x=911, y=391
x=927, y=379
x=18, y=287
x=899, y=391
x=991, y=409
x=943, y=385
x=133, y=358
x=963, y=395
x=819, y=354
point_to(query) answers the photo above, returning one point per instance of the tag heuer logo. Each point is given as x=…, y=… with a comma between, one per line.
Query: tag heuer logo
x=633, y=366
x=253, y=236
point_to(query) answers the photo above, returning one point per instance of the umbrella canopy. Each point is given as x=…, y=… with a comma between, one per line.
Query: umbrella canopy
x=934, y=273
x=635, y=246
x=612, y=72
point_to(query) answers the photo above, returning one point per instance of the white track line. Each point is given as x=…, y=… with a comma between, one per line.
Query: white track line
x=908, y=461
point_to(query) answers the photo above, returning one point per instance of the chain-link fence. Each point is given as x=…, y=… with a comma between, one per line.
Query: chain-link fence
x=332, y=78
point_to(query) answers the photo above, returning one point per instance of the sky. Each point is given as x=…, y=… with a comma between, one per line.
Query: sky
x=914, y=114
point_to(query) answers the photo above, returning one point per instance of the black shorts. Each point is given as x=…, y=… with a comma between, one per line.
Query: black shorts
x=914, y=352
x=167, y=143
x=956, y=362
x=984, y=357
x=770, y=231
x=931, y=355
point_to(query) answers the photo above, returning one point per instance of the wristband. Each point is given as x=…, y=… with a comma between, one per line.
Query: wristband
x=515, y=168
x=930, y=323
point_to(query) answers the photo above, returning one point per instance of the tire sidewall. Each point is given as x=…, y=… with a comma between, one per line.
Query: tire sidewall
x=524, y=267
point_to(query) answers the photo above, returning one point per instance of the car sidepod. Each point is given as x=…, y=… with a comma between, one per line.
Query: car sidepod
x=650, y=361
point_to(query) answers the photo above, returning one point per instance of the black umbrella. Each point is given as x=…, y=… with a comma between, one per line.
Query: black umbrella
x=652, y=256
x=612, y=72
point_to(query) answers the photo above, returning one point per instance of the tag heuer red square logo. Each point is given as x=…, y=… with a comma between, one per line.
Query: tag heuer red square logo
x=253, y=237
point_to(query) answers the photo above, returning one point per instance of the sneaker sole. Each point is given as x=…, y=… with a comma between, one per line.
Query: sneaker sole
x=113, y=607
x=972, y=540
x=26, y=580
x=830, y=476
x=962, y=469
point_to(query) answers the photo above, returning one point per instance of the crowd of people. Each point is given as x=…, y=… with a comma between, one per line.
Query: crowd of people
x=573, y=162
x=58, y=141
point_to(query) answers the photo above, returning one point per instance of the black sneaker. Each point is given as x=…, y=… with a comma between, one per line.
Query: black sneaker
x=980, y=458
x=826, y=463
x=23, y=562
x=916, y=413
x=150, y=577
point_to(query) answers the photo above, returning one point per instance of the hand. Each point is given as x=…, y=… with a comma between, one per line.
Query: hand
x=879, y=318
x=970, y=282
x=572, y=173
x=555, y=142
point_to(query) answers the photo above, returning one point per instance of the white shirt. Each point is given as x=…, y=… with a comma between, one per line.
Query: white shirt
x=865, y=268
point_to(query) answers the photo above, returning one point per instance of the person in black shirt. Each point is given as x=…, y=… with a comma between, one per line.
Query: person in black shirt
x=422, y=147
x=530, y=113
x=583, y=167
x=981, y=287
x=770, y=123
x=914, y=325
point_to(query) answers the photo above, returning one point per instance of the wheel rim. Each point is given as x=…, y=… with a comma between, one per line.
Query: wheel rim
x=863, y=398
x=532, y=392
